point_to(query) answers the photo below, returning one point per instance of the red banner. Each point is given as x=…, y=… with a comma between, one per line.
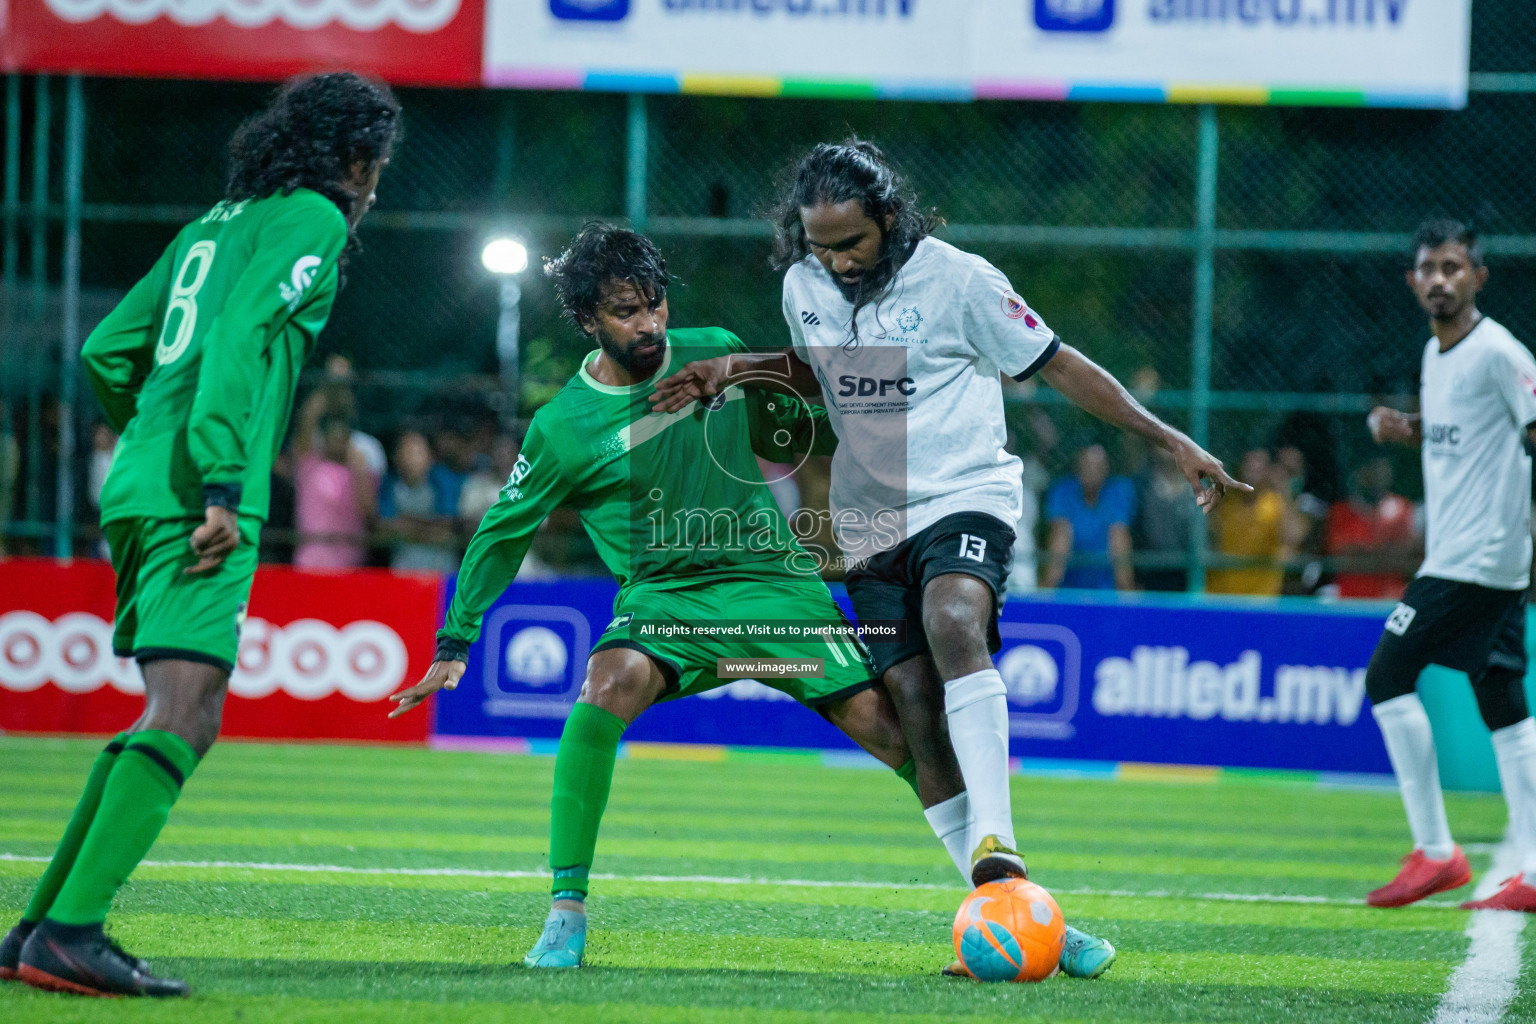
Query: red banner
x=408, y=42
x=318, y=655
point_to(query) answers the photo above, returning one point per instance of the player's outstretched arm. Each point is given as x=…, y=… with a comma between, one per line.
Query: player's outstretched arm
x=537, y=486
x=121, y=350
x=781, y=372
x=1091, y=388
x=1388, y=426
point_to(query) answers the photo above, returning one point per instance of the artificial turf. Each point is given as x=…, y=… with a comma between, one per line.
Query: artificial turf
x=774, y=892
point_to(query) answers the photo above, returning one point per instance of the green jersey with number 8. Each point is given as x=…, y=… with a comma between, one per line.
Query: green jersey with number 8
x=198, y=365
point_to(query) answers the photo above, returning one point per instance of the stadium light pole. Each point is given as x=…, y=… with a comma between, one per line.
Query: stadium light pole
x=506, y=258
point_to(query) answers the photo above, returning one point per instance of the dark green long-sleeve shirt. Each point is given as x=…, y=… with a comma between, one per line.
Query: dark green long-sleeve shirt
x=198, y=365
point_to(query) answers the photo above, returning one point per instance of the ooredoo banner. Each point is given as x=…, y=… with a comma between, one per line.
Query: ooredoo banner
x=409, y=42
x=318, y=654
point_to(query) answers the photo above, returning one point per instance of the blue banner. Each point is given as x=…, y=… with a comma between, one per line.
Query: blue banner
x=1263, y=685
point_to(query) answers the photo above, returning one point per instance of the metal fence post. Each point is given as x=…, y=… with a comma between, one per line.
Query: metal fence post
x=1200, y=337
x=10, y=295
x=635, y=170
x=41, y=131
x=69, y=335
x=12, y=182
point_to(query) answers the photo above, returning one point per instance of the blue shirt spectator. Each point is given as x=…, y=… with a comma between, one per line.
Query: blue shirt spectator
x=418, y=505
x=1090, y=514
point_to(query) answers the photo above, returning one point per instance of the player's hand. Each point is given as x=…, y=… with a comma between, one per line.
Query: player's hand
x=1206, y=476
x=443, y=675
x=214, y=540
x=1389, y=426
x=697, y=381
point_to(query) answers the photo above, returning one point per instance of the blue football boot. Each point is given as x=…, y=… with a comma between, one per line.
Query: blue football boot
x=563, y=942
x=1083, y=956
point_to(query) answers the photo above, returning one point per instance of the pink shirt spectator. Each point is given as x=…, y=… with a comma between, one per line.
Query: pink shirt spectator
x=326, y=503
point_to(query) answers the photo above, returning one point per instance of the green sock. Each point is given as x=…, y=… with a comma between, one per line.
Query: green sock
x=74, y=832
x=908, y=773
x=583, y=775
x=143, y=784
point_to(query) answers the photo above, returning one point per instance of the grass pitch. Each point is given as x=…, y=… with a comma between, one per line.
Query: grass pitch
x=299, y=883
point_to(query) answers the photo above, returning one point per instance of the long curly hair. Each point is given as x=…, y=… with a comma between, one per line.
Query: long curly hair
x=310, y=136
x=601, y=253
x=854, y=169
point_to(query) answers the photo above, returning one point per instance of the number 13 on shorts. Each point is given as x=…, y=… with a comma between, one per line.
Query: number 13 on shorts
x=973, y=547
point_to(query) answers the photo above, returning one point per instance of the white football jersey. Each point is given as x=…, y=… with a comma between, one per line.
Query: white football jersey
x=1476, y=401
x=914, y=396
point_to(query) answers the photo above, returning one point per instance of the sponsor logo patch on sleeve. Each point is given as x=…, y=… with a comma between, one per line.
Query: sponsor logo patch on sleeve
x=1014, y=308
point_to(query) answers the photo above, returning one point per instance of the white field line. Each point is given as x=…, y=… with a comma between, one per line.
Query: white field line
x=1481, y=989
x=794, y=883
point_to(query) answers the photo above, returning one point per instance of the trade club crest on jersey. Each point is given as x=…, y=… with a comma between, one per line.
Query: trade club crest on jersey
x=909, y=319
x=1015, y=309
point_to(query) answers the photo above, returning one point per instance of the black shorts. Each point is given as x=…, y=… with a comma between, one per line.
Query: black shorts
x=889, y=586
x=1463, y=626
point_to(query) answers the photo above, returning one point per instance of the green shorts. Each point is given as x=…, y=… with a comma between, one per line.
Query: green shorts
x=162, y=613
x=733, y=606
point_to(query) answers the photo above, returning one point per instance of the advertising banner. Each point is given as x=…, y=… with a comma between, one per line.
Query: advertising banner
x=527, y=668
x=409, y=42
x=1221, y=684
x=1341, y=52
x=318, y=654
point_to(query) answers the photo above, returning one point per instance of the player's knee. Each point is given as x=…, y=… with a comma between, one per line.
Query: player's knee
x=954, y=626
x=187, y=700
x=914, y=689
x=624, y=690
x=871, y=722
x=1501, y=698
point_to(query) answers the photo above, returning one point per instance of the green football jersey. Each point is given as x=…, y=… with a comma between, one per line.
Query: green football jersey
x=665, y=497
x=198, y=365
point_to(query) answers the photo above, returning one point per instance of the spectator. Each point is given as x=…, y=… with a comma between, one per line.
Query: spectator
x=1090, y=516
x=1374, y=529
x=1165, y=512
x=342, y=400
x=455, y=461
x=1259, y=527
x=480, y=491
x=333, y=490
x=1024, y=575
x=417, y=509
x=1309, y=514
x=103, y=447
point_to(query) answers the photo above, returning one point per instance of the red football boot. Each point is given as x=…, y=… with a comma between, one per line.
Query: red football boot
x=1421, y=877
x=1517, y=894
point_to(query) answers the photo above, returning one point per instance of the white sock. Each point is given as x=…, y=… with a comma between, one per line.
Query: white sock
x=1411, y=746
x=951, y=821
x=977, y=706
x=1515, y=748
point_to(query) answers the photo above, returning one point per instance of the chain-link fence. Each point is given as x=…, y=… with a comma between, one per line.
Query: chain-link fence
x=1094, y=211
